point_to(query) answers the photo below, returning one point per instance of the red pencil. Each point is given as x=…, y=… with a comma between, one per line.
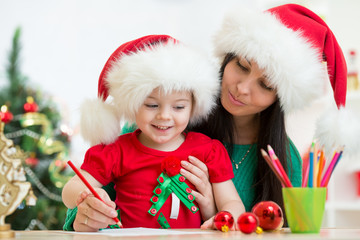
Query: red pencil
x=278, y=164
x=90, y=188
x=272, y=167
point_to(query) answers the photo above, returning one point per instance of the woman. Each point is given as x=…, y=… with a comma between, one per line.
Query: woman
x=271, y=65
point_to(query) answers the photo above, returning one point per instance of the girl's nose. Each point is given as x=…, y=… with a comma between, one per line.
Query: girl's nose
x=164, y=113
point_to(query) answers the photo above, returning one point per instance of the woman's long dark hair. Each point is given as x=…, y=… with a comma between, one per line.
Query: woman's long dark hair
x=220, y=125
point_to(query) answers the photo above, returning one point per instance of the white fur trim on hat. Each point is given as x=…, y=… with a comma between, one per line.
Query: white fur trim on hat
x=133, y=76
x=99, y=122
x=171, y=66
x=337, y=128
x=292, y=65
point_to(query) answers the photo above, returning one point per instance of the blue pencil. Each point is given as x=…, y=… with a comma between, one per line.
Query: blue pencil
x=311, y=166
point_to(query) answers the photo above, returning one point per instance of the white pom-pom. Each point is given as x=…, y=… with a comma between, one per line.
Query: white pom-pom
x=99, y=122
x=337, y=128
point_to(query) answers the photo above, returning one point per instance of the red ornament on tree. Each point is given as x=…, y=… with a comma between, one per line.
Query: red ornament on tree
x=5, y=115
x=223, y=221
x=31, y=161
x=247, y=222
x=30, y=105
x=269, y=214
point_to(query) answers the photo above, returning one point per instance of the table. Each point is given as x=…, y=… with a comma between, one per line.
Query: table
x=282, y=234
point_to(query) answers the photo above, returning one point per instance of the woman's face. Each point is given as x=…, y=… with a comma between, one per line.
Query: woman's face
x=245, y=89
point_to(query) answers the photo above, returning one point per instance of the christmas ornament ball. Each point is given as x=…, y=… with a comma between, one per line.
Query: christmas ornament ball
x=269, y=214
x=5, y=115
x=223, y=221
x=30, y=105
x=247, y=222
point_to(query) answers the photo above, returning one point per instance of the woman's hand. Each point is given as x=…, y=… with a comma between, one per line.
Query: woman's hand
x=209, y=224
x=92, y=213
x=197, y=173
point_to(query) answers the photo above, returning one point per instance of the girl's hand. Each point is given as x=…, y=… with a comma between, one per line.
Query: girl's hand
x=92, y=213
x=197, y=173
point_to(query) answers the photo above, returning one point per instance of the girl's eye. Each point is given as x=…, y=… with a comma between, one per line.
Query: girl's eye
x=179, y=107
x=151, y=105
x=242, y=67
x=266, y=87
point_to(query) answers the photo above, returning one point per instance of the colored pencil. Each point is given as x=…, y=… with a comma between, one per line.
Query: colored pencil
x=272, y=167
x=311, y=166
x=316, y=168
x=305, y=177
x=328, y=171
x=332, y=166
x=282, y=172
x=338, y=159
x=321, y=167
x=83, y=179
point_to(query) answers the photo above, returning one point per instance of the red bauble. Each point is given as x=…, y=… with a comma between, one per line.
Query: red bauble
x=5, y=115
x=269, y=214
x=223, y=221
x=247, y=222
x=32, y=161
x=30, y=105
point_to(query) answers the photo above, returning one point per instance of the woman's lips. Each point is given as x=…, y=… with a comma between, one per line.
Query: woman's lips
x=234, y=101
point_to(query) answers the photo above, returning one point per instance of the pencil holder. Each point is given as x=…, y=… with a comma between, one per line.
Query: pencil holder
x=304, y=208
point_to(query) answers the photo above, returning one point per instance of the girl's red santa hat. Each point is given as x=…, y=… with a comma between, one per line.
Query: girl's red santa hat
x=134, y=70
x=290, y=43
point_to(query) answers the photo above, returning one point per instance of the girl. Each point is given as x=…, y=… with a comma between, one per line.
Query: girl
x=162, y=86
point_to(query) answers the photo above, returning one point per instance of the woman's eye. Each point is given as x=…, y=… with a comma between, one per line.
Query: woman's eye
x=242, y=67
x=266, y=87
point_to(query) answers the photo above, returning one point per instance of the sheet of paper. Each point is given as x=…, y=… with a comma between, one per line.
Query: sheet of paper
x=141, y=232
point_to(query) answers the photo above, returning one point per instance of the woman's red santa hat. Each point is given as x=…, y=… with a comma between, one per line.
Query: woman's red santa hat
x=134, y=70
x=290, y=43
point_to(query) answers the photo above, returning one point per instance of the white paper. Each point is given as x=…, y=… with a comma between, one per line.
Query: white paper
x=140, y=232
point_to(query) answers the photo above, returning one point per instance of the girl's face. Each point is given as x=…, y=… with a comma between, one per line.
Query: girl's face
x=162, y=119
x=245, y=89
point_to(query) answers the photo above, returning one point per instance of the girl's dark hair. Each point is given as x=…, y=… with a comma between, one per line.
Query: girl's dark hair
x=220, y=125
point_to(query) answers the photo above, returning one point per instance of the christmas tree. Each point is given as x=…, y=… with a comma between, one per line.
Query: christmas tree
x=32, y=121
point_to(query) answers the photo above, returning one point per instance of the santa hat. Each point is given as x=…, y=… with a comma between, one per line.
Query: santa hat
x=134, y=70
x=290, y=43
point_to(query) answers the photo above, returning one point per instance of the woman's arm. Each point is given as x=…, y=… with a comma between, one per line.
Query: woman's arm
x=197, y=173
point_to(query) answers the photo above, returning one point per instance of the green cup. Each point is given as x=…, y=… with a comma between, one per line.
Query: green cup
x=304, y=208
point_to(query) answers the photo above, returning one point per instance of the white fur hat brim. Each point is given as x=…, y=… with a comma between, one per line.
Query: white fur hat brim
x=291, y=63
x=171, y=66
x=130, y=77
x=99, y=122
x=339, y=127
